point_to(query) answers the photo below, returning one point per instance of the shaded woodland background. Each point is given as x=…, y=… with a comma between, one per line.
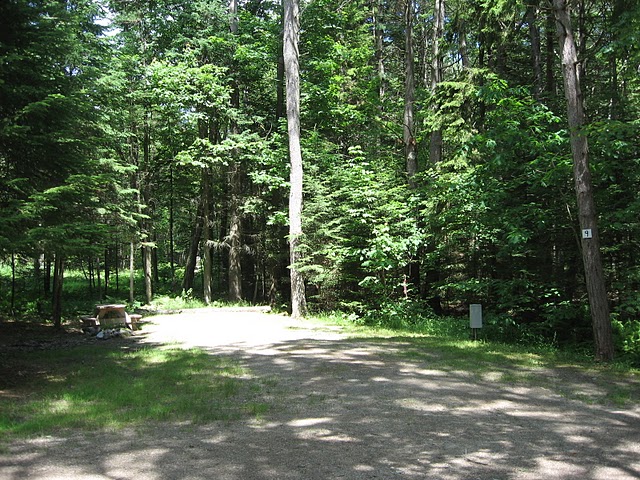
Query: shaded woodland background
x=143, y=148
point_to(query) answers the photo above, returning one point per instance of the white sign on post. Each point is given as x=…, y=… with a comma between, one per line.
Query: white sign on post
x=587, y=233
x=475, y=315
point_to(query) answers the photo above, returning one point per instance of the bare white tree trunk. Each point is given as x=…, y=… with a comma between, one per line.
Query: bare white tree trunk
x=291, y=55
x=132, y=271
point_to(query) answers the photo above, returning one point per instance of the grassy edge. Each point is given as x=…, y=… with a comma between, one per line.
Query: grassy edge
x=571, y=374
x=90, y=388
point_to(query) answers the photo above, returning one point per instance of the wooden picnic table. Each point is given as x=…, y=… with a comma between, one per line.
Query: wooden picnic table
x=112, y=315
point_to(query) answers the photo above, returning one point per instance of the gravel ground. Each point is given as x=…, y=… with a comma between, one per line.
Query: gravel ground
x=346, y=409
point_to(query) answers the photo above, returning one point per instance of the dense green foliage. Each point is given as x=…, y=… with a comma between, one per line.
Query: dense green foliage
x=164, y=130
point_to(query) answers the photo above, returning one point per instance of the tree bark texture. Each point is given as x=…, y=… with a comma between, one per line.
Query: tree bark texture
x=235, y=186
x=410, y=145
x=233, y=13
x=192, y=257
x=132, y=271
x=235, y=237
x=58, y=280
x=46, y=277
x=292, y=73
x=171, y=229
x=13, y=283
x=590, y=243
x=147, y=256
x=107, y=272
x=206, y=239
x=550, y=79
x=378, y=32
x=437, y=75
x=536, y=52
x=147, y=262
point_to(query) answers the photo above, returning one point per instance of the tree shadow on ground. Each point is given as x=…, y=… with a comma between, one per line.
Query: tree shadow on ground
x=357, y=410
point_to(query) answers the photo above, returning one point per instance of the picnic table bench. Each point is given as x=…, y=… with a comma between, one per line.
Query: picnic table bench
x=112, y=315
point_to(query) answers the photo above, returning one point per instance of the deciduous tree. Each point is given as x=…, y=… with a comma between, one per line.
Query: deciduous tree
x=292, y=75
x=572, y=72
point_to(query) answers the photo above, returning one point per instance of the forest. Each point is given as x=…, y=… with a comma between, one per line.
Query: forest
x=453, y=153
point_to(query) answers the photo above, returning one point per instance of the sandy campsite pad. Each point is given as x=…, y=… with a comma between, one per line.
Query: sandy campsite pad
x=346, y=409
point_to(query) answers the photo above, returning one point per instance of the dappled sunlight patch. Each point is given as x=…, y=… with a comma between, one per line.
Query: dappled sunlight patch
x=420, y=405
x=324, y=435
x=609, y=472
x=117, y=389
x=61, y=406
x=363, y=468
x=308, y=422
x=568, y=469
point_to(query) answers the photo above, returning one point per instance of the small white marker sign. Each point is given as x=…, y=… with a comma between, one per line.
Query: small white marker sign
x=587, y=233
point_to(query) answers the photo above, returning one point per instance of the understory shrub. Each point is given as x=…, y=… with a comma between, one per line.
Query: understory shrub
x=416, y=317
x=627, y=340
x=505, y=328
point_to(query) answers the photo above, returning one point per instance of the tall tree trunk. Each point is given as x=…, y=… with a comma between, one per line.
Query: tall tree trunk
x=171, y=230
x=206, y=238
x=432, y=274
x=147, y=263
x=233, y=14
x=46, y=278
x=235, y=266
x=235, y=184
x=437, y=75
x=13, y=283
x=99, y=278
x=550, y=80
x=117, y=266
x=616, y=95
x=410, y=145
x=378, y=32
x=90, y=276
x=291, y=56
x=594, y=275
x=107, y=272
x=536, y=55
x=132, y=271
x=192, y=256
x=154, y=261
x=58, y=279
x=280, y=82
x=147, y=227
x=463, y=48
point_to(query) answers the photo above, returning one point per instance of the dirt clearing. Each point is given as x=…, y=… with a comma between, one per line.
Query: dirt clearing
x=346, y=409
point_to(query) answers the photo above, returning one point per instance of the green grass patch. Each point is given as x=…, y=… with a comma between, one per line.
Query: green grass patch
x=180, y=302
x=95, y=388
x=186, y=300
x=444, y=344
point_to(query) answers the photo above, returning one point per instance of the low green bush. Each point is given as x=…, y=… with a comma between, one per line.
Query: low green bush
x=627, y=340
